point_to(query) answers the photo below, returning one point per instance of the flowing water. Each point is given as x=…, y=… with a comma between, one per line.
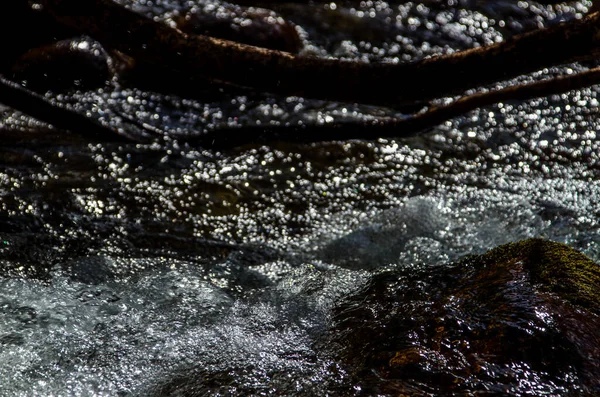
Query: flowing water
x=165, y=268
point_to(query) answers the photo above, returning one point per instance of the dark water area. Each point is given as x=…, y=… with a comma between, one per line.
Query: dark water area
x=171, y=268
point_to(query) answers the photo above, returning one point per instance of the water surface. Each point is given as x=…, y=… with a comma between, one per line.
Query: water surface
x=132, y=269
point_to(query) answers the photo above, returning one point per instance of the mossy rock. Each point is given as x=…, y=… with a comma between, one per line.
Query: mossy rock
x=522, y=318
x=556, y=268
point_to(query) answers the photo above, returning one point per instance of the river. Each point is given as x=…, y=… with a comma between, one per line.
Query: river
x=129, y=266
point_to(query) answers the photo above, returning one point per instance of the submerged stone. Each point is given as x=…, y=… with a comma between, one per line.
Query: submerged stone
x=387, y=236
x=522, y=318
x=63, y=66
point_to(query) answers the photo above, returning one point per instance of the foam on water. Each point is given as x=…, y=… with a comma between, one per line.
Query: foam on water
x=138, y=333
x=444, y=227
x=90, y=332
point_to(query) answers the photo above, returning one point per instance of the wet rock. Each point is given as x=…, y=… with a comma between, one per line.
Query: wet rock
x=249, y=25
x=63, y=66
x=522, y=318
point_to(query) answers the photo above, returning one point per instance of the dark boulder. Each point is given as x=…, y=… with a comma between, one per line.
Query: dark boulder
x=522, y=318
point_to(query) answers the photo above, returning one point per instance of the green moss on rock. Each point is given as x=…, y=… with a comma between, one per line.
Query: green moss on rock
x=474, y=325
x=554, y=267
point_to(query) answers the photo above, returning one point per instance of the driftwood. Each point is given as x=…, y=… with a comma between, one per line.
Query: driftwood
x=274, y=71
x=208, y=59
x=40, y=107
x=397, y=128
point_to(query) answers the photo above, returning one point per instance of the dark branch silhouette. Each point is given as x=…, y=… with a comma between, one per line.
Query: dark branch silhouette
x=206, y=59
x=398, y=128
x=273, y=71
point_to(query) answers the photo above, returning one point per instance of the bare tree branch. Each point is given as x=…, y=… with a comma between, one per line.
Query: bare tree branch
x=232, y=63
x=274, y=71
x=397, y=128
